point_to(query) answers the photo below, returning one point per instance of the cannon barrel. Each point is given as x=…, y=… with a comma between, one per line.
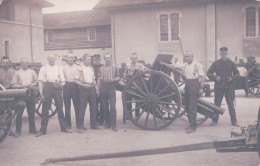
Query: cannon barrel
x=15, y=93
x=212, y=106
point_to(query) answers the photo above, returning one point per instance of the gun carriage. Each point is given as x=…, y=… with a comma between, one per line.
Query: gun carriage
x=156, y=98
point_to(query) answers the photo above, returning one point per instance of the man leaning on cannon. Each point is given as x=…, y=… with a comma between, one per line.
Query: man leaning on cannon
x=222, y=72
x=25, y=78
x=195, y=79
x=51, y=81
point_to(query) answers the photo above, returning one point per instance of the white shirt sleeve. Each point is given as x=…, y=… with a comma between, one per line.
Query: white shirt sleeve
x=42, y=74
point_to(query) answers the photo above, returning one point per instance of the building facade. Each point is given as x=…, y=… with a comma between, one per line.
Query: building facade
x=21, y=29
x=151, y=27
x=81, y=32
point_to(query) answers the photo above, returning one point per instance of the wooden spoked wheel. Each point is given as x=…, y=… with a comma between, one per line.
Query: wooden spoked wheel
x=154, y=98
x=180, y=81
x=38, y=108
x=254, y=80
x=6, y=117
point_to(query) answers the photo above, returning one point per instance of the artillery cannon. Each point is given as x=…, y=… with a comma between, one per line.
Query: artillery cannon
x=10, y=102
x=156, y=99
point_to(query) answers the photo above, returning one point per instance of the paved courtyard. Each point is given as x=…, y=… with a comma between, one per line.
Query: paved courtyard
x=31, y=151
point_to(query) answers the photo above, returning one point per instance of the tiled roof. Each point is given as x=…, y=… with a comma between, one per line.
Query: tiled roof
x=76, y=19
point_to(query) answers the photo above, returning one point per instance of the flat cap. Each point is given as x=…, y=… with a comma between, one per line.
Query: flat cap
x=223, y=49
x=96, y=56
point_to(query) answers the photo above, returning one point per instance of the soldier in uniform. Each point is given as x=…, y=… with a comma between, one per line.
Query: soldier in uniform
x=70, y=90
x=88, y=92
x=195, y=79
x=223, y=72
x=96, y=65
x=108, y=75
x=51, y=80
x=25, y=78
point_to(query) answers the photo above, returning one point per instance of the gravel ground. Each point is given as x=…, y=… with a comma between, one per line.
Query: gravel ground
x=31, y=151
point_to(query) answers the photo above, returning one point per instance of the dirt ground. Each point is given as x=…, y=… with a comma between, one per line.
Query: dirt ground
x=31, y=151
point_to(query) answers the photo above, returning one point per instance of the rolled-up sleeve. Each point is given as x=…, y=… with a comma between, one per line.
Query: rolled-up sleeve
x=200, y=70
x=62, y=77
x=42, y=74
x=77, y=75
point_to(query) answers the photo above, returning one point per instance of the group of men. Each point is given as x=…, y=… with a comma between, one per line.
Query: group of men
x=222, y=72
x=86, y=83
x=93, y=83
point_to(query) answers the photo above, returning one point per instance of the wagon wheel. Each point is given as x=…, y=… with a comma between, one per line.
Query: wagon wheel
x=254, y=80
x=156, y=96
x=180, y=80
x=6, y=117
x=38, y=108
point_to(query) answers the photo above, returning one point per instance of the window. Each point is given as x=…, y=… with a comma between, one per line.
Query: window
x=7, y=48
x=251, y=22
x=169, y=27
x=5, y=10
x=92, y=33
x=50, y=37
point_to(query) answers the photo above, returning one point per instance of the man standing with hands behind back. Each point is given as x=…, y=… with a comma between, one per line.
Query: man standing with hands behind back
x=223, y=72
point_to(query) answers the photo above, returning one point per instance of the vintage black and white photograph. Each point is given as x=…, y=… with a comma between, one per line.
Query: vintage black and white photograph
x=129, y=82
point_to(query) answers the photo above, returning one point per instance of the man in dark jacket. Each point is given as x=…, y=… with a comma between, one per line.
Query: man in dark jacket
x=223, y=72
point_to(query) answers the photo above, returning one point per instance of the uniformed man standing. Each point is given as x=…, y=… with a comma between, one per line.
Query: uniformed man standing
x=25, y=78
x=71, y=90
x=195, y=79
x=223, y=72
x=96, y=59
x=88, y=91
x=108, y=75
x=51, y=81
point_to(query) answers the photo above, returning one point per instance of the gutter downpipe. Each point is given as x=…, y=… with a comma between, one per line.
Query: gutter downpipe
x=216, y=35
x=31, y=42
x=114, y=37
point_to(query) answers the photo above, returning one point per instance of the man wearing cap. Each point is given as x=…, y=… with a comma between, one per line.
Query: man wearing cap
x=96, y=65
x=195, y=79
x=108, y=75
x=70, y=90
x=88, y=91
x=25, y=78
x=222, y=72
x=51, y=81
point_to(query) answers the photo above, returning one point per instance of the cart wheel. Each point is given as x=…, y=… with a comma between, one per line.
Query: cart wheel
x=254, y=80
x=154, y=98
x=38, y=108
x=179, y=78
x=6, y=117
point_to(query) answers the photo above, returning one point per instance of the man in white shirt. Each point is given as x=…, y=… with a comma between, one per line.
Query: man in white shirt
x=195, y=79
x=70, y=90
x=51, y=81
x=25, y=78
x=88, y=91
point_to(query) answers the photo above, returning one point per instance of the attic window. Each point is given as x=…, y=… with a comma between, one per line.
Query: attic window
x=169, y=26
x=50, y=37
x=92, y=33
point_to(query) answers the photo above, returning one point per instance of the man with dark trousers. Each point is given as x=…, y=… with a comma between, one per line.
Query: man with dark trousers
x=108, y=75
x=222, y=72
x=195, y=79
x=25, y=78
x=96, y=58
x=51, y=81
x=71, y=90
x=88, y=91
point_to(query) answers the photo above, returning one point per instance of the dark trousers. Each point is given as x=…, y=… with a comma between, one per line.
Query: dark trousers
x=100, y=112
x=30, y=105
x=191, y=95
x=87, y=95
x=71, y=92
x=229, y=96
x=108, y=102
x=51, y=93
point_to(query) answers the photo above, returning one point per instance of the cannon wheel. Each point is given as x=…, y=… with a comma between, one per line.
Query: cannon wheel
x=38, y=108
x=254, y=80
x=156, y=96
x=6, y=121
x=180, y=80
